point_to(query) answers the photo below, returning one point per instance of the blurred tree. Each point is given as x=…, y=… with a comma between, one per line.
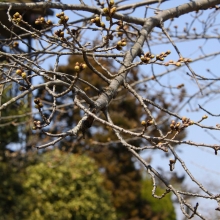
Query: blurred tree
x=12, y=129
x=58, y=186
x=162, y=208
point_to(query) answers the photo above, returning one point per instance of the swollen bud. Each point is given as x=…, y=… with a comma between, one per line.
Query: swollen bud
x=144, y=123
x=123, y=43
x=204, y=117
x=18, y=72
x=97, y=19
x=178, y=64
x=102, y=24
x=105, y=10
x=112, y=11
x=111, y=2
x=37, y=101
x=24, y=75
x=191, y=122
x=77, y=68
x=83, y=66
x=16, y=15
x=40, y=105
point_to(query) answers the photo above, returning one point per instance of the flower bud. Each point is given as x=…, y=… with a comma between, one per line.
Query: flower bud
x=83, y=66
x=112, y=11
x=119, y=43
x=66, y=18
x=97, y=19
x=37, y=101
x=77, y=68
x=49, y=22
x=37, y=22
x=42, y=19
x=150, y=122
x=16, y=15
x=172, y=126
x=18, y=72
x=184, y=119
x=102, y=24
x=58, y=15
x=105, y=10
x=18, y=20
x=24, y=75
x=123, y=43
x=204, y=117
x=144, y=123
x=178, y=64
x=40, y=105
x=142, y=58
x=111, y=2
x=191, y=122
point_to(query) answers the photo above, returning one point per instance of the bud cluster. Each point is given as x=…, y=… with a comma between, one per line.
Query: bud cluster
x=21, y=73
x=147, y=57
x=38, y=103
x=178, y=126
x=147, y=123
x=17, y=17
x=79, y=66
x=175, y=126
x=37, y=125
x=163, y=55
x=187, y=122
x=63, y=18
x=60, y=34
x=121, y=43
x=41, y=21
x=110, y=10
x=183, y=60
x=98, y=22
x=178, y=62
